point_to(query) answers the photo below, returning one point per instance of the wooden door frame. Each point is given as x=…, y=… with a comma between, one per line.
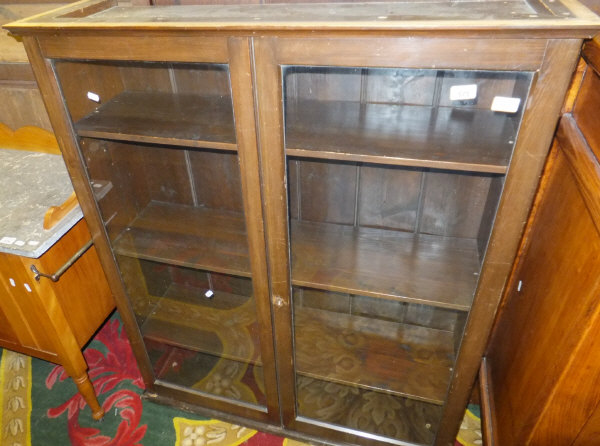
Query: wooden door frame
x=552, y=61
x=183, y=46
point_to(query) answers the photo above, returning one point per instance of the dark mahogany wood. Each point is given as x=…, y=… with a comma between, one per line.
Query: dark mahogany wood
x=163, y=118
x=401, y=135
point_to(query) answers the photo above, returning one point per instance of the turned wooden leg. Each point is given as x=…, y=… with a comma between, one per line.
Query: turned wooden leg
x=85, y=387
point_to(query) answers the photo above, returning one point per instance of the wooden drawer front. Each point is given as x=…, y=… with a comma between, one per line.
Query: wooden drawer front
x=587, y=109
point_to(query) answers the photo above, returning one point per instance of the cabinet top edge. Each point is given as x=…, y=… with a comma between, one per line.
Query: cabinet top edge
x=408, y=15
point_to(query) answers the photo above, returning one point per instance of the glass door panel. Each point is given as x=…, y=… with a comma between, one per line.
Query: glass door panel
x=159, y=144
x=394, y=177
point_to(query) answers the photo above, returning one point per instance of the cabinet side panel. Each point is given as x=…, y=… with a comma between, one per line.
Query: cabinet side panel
x=542, y=323
x=535, y=136
x=82, y=291
x=586, y=109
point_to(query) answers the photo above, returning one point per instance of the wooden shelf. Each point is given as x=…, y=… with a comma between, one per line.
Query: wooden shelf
x=373, y=354
x=225, y=326
x=466, y=139
x=425, y=269
x=163, y=118
x=364, y=410
x=188, y=236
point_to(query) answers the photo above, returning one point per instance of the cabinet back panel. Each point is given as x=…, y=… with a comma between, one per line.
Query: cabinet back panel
x=326, y=191
x=389, y=197
x=326, y=84
x=212, y=80
x=412, y=87
x=166, y=175
x=216, y=178
x=425, y=201
x=489, y=85
x=453, y=204
x=146, y=77
x=196, y=178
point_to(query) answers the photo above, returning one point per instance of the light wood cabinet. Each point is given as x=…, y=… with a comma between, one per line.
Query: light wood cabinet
x=51, y=318
x=313, y=209
x=550, y=313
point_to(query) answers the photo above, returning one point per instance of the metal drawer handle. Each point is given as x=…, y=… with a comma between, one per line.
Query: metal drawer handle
x=56, y=276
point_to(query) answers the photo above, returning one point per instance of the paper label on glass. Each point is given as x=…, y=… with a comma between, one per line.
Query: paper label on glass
x=505, y=104
x=93, y=96
x=463, y=92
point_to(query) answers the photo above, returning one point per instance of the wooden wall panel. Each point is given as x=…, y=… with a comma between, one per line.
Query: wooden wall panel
x=22, y=105
x=488, y=84
x=400, y=86
x=328, y=192
x=216, y=177
x=327, y=84
x=201, y=79
x=542, y=323
x=389, y=197
x=166, y=174
x=146, y=77
x=453, y=203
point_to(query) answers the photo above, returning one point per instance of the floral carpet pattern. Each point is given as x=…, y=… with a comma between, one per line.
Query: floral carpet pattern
x=40, y=405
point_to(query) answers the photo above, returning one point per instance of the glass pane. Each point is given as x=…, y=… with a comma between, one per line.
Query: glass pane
x=394, y=177
x=159, y=145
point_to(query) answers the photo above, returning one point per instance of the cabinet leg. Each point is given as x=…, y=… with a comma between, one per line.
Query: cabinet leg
x=85, y=387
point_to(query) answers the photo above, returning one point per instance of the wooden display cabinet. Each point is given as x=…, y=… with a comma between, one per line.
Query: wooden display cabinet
x=313, y=208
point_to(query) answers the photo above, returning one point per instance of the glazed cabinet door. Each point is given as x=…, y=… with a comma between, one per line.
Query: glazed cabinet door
x=394, y=154
x=165, y=135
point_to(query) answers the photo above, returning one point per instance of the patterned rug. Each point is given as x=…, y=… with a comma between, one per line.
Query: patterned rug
x=40, y=405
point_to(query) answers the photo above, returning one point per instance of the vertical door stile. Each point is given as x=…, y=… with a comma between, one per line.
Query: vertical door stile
x=243, y=105
x=270, y=125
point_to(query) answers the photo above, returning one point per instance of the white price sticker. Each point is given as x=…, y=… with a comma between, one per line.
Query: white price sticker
x=463, y=92
x=93, y=96
x=505, y=104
